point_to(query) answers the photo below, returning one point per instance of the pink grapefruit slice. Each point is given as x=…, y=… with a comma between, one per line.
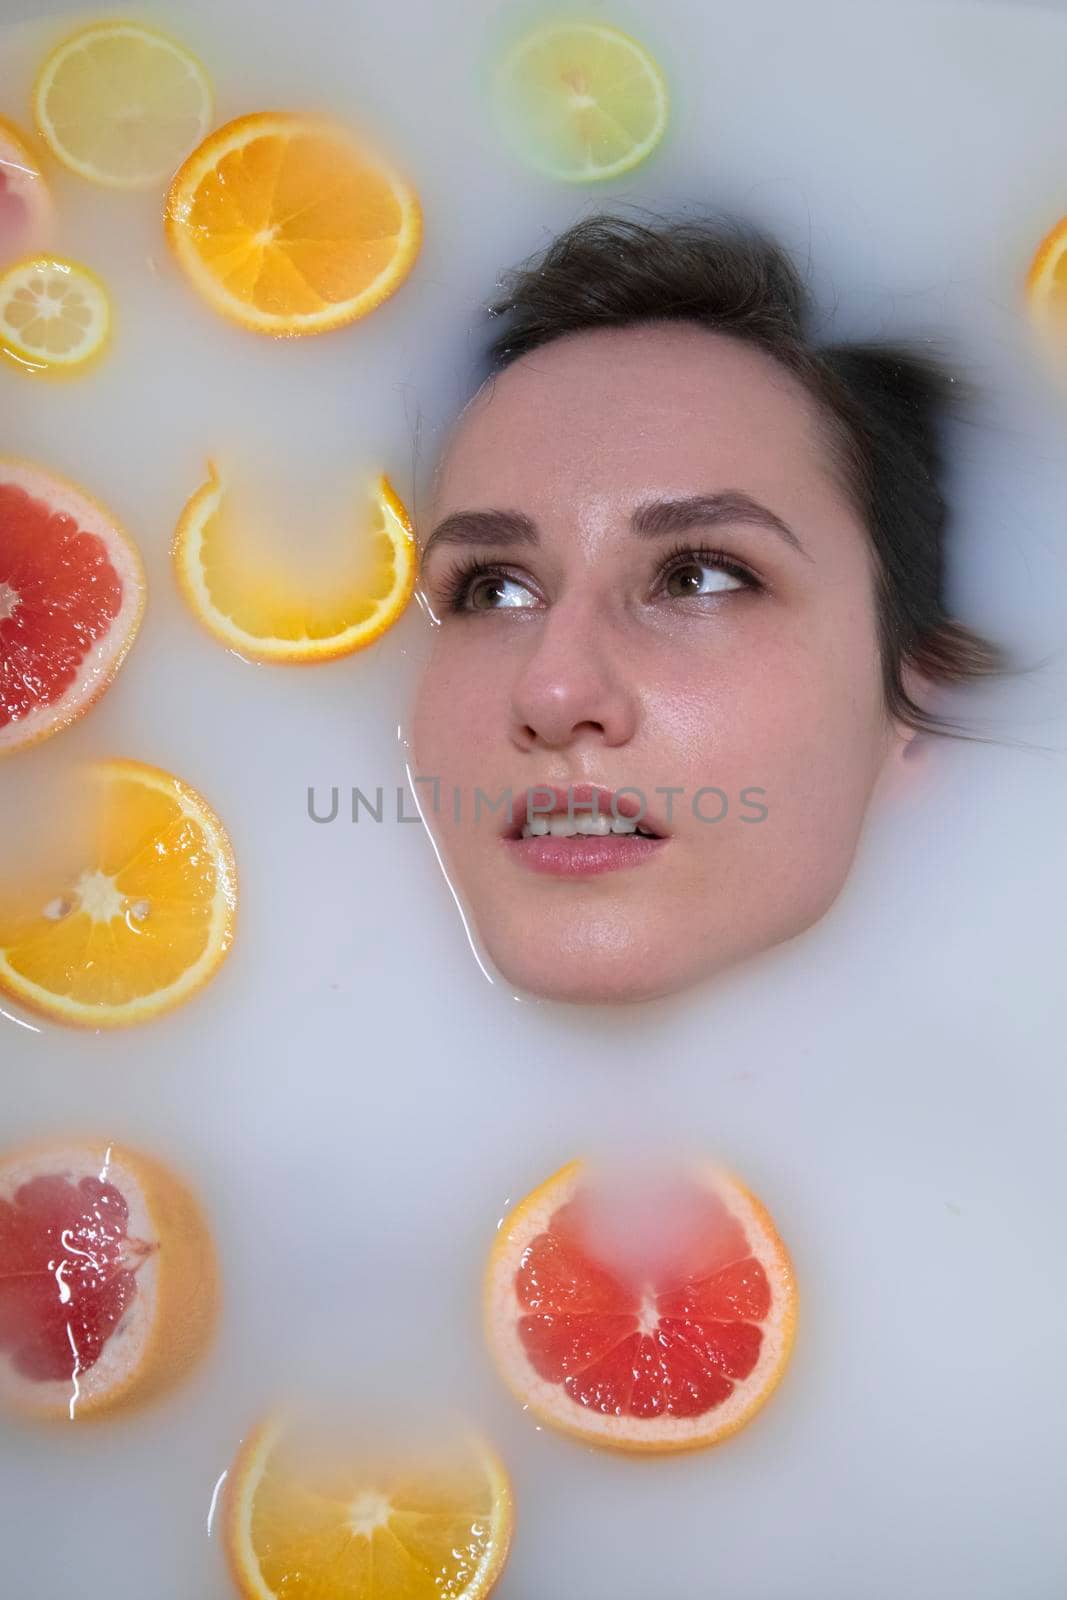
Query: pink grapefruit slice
x=108, y=1282
x=26, y=209
x=658, y=1320
x=72, y=594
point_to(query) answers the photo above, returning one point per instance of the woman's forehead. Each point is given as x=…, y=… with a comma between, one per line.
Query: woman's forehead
x=656, y=404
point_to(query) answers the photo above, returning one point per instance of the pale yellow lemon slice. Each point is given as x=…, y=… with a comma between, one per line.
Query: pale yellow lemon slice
x=54, y=314
x=122, y=104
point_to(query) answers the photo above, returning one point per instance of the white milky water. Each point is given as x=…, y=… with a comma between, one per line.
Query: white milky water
x=356, y=1100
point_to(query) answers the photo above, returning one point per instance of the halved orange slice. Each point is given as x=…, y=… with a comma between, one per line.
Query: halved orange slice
x=641, y=1318
x=263, y=613
x=287, y=224
x=305, y=1519
x=108, y=1279
x=132, y=923
x=1046, y=280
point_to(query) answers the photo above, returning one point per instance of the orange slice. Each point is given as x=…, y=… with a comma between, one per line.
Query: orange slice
x=27, y=212
x=306, y=1521
x=72, y=595
x=288, y=225
x=132, y=924
x=261, y=612
x=108, y=1279
x=1046, y=280
x=657, y=1319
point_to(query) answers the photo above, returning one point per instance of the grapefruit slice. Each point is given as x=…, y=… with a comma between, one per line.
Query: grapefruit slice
x=72, y=593
x=284, y=223
x=27, y=212
x=266, y=615
x=655, y=1319
x=108, y=1279
x=136, y=916
x=305, y=1519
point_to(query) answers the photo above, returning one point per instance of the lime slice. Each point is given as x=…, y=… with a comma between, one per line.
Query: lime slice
x=582, y=102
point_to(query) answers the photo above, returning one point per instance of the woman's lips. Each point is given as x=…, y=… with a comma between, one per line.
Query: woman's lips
x=582, y=855
x=577, y=800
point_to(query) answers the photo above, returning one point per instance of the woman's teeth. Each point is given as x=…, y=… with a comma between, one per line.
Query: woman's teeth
x=567, y=827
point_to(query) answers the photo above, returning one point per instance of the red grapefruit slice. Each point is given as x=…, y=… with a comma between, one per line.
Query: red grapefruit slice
x=107, y=1279
x=72, y=592
x=26, y=209
x=644, y=1321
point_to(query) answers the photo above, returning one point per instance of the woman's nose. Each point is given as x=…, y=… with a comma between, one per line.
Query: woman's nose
x=573, y=683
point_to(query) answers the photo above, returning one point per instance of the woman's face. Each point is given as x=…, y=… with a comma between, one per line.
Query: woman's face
x=668, y=591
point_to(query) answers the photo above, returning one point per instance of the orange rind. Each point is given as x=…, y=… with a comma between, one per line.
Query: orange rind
x=357, y=1527
x=138, y=920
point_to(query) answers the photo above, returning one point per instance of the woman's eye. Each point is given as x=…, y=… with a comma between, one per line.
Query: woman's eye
x=495, y=592
x=699, y=577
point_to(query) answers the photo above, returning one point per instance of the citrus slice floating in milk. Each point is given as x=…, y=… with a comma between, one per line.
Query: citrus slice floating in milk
x=303, y=1521
x=72, y=594
x=581, y=101
x=648, y=1317
x=108, y=1279
x=287, y=224
x=55, y=315
x=122, y=104
x=260, y=610
x=27, y=211
x=132, y=915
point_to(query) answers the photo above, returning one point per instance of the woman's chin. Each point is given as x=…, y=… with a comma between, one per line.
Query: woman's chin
x=593, y=979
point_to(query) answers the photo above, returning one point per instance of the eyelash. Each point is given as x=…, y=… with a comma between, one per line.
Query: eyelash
x=457, y=582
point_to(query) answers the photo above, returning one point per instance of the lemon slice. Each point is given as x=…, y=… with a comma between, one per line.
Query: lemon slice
x=122, y=104
x=258, y=613
x=357, y=1525
x=133, y=922
x=53, y=313
x=581, y=101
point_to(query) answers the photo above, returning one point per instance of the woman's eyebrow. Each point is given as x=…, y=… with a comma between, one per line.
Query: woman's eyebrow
x=706, y=510
x=483, y=527
x=655, y=517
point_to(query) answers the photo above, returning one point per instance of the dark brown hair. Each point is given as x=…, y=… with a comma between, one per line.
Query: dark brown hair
x=884, y=403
